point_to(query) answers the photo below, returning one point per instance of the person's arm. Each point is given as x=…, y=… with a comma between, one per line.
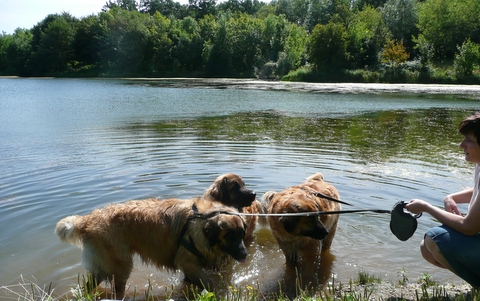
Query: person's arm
x=467, y=225
x=450, y=202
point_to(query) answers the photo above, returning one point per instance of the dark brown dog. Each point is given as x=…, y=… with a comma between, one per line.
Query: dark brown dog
x=230, y=190
x=188, y=235
x=302, y=239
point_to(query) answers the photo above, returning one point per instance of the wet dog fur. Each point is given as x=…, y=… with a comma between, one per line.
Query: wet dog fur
x=158, y=231
x=303, y=239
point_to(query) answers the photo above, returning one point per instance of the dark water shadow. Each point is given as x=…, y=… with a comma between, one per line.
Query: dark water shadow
x=291, y=282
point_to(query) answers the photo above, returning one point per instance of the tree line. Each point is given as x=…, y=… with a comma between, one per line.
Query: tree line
x=365, y=40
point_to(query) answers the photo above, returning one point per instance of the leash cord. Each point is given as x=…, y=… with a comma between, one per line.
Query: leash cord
x=313, y=213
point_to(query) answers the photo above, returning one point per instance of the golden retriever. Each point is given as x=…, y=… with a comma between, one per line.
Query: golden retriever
x=230, y=190
x=188, y=235
x=303, y=238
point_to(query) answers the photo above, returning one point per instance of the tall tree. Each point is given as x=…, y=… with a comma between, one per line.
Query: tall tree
x=54, y=52
x=448, y=23
x=89, y=43
x=165, y=7
x=201, y=8
x=328, y=46
x=367, y=35
x=401, y=19
x=130, y=5
x=15, y=53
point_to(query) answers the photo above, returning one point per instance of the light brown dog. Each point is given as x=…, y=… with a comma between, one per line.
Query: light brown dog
x=303, y=238
x=230, y=190
x=188, y=235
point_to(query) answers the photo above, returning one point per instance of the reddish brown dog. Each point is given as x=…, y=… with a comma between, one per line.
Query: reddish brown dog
x=188, y=235
x=303, y=238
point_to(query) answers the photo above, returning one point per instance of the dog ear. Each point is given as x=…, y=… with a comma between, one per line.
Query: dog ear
x=219, y=188
x=211, y=231
x=289, y=223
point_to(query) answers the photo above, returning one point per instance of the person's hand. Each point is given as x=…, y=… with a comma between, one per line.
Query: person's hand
x=416, y=206
x=451, y=205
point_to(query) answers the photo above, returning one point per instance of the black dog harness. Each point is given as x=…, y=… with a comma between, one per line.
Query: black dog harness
x=189, y=244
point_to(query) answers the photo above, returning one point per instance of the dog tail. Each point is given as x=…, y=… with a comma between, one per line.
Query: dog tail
x=268, y=196
x=67, y=232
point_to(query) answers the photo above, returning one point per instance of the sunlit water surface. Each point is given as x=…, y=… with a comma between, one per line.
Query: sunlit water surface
x=69, y=146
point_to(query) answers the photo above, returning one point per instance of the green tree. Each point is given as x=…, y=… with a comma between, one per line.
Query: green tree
x=466, y=59
x=160, y=44
x=200, y=8
x=243, y=41
x=367, y=34
x=361, y=4
x=328, y=46
x=401, y=18
x=294, y=50
x=236, y=48
x=165, y=7
x=447, y=23
x=54, y=52
x=294, y=10
x=319, y=12
x=89, y=43
x=127, y=42
x=240, y=6
x=216, y=52
x=15, y=52
x=187, y=45
x=130, y=5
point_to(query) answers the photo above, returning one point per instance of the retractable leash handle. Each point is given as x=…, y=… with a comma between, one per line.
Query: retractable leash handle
x=403, y=224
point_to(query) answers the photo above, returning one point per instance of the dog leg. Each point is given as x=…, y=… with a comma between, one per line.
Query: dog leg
x=196, y=276
x=327, y=241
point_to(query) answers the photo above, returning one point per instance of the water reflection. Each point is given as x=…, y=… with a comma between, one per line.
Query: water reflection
x=429, y=134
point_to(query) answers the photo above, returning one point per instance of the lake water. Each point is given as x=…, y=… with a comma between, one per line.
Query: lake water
x=68, y=146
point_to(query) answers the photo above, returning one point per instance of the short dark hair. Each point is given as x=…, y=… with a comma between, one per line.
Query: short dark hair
x=471, y=125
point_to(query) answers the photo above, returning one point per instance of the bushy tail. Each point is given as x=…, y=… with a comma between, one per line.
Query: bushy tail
x=67, y=232
x=267, y=197
x=316, y=177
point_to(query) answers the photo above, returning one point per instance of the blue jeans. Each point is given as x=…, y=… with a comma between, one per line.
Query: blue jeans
x=461, y=251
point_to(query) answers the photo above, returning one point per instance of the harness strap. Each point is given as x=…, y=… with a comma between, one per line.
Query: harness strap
x=324, y=196
x=190, y=245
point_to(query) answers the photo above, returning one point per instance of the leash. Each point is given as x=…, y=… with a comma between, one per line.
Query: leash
x=323, y=196
x=312, y=213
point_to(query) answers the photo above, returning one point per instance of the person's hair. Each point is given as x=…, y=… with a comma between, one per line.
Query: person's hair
x=471, y=125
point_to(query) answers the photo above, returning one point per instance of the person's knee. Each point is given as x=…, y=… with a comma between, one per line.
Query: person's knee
x=437, y=257
x=427, y=255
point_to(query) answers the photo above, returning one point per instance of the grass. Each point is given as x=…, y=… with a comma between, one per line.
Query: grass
x=362, y=288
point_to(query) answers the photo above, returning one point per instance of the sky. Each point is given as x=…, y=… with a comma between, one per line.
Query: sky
x=27, y=13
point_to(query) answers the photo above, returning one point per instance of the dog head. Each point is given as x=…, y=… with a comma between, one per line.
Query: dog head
x=225, y=231
x=230, y=190
x=310, y=226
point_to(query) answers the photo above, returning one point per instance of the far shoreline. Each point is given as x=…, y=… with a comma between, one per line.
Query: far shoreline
x=455, y=90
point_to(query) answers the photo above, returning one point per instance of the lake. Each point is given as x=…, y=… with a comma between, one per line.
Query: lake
x=71, y=145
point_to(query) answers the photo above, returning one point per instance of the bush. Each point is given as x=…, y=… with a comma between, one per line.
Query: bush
x=466, y=59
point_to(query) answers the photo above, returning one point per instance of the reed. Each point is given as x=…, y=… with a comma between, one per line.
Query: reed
x=365, y=287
